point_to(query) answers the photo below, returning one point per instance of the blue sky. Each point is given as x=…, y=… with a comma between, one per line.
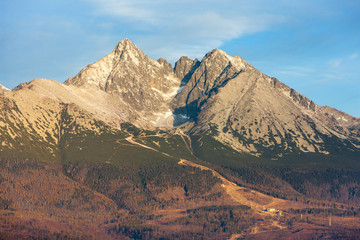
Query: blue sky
x=312, y=46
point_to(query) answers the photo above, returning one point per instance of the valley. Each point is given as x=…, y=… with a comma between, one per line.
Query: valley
x=133, y=148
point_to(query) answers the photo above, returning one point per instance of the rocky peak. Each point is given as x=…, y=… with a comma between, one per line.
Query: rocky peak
x=216, y=57
x=217, y=52
x=125, y=45
x=184, y=67
x=219, y=57
x=212, y=73
x=146, y=86
x=128, y=52
x=250, y=110
x=166, y=65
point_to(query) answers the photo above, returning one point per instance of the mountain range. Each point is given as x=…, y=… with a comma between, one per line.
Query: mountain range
x=130, y=137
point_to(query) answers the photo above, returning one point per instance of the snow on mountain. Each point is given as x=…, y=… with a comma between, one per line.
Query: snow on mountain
x=3, y=89
x=252, y=112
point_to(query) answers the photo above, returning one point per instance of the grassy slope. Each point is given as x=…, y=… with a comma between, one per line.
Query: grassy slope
x=333, y=177
x=139, y=179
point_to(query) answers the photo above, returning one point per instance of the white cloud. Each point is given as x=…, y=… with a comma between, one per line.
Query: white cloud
x=187, y=27
x=334, y=63
x=296, y=71
x=134, y=10
x=353, y=56
x=337, y=62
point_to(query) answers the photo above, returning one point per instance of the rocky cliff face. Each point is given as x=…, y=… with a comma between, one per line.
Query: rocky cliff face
x=184, y=68
x=146, y=86
x=214, y=71
x=255, y=113
x=250, y=111
x=73, y=163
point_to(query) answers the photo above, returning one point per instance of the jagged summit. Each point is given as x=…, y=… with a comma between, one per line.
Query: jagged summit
x=129, y=137
x=184, y=68
x=251, y=111
x=212, y=73
x=220, y=90
x=217, y=51
x=236, y=61
x=126, y=50
x=145, y=86
x=125, y=44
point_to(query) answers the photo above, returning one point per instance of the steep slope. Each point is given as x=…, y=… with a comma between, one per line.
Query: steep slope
x=109, y=141
x=256, y=114
x=143, y=85
x=215, y=69
x=184, y=68
x=124, y=86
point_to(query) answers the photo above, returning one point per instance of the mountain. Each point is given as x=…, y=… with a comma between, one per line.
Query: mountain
x=256, y=113
x=3, y=89
x=222, y=91
x=142, y=85
x=131, y=148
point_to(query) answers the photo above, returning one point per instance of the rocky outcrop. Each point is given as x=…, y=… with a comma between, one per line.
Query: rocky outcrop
x=184, y=68
x=141, y=82
x=250, y=111
x=146, y=86
x=256, y=114
x=214, y=71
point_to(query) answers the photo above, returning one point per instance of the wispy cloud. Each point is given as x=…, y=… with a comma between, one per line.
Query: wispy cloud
x=296, y=70
x=186, y=27
x=333, y=63
x=135, y=10
x=337, y=62
x=353, y=56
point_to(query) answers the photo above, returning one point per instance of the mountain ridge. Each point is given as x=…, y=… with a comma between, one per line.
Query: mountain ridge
x=249, y=109
x=133, y=148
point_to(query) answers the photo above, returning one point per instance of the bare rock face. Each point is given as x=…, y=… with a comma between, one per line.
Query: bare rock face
x=141, y=82
x=255, y=113
x=339, y=121
x=214, y=71
x=144, y=85
x=249, y=111
x=184, y=68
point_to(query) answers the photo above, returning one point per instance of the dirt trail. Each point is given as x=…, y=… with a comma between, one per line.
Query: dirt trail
x=188, y=145
x=132, y=141
x=235, y=236
x=241, y=195
x=254, y=199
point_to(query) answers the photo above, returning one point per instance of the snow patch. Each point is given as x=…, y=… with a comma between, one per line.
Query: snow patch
x=3, y=88
x=163, y=119
x=172, y=78
x=238, y=62
x=342, y=118
x=179, y=90
x=180, y=119
x=165, y=115
x=169, y=95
